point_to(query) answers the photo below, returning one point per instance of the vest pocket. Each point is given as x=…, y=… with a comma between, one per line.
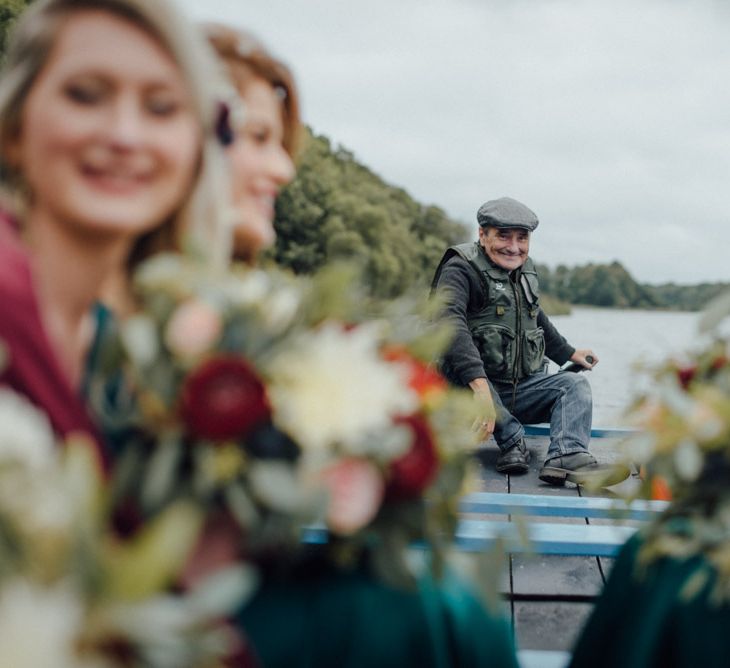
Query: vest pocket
x=497, y=348
x=533, y=351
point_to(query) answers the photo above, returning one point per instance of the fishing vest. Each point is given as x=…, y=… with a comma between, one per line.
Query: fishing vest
x=505, y=330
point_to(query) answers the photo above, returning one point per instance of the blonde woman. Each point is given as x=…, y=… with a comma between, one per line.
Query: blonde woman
x=108, y=153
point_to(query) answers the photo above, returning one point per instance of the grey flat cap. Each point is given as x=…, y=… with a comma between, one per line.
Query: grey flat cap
x=506, y=212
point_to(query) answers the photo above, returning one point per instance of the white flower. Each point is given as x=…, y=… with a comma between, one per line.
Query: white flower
x=641, y=447
x=39, y=626
x=688, y=460
x=25, y=432
x=332, y=387
x=162, y=269
x=248, y=288
x=704, y=422
x=140, y=339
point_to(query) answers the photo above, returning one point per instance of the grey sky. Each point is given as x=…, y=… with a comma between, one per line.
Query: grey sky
x=610, y=119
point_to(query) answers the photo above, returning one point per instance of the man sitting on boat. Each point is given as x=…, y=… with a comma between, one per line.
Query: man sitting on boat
x=500, y=342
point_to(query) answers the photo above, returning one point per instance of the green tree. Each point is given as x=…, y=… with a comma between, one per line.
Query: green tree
x=337, y=208
x=9, y=11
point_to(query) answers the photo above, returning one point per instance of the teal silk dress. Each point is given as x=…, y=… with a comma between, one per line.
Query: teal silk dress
x=656, y=617
x=351, y=620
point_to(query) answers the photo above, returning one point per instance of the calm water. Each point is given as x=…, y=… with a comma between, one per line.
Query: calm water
x=623, y=339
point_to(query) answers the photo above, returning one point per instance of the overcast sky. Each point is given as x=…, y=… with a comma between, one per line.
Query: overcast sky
x=610, y=119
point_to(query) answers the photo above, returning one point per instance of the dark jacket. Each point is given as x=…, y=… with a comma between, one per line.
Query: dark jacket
x=465, y=295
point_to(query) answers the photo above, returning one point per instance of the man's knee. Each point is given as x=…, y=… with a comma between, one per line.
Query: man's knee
x=576, y=385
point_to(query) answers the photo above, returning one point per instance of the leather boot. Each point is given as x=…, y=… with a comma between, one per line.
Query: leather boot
x=582, y=468
x=515, y=459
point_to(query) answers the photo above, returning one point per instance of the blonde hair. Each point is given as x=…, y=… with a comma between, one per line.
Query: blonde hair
x=201, y=221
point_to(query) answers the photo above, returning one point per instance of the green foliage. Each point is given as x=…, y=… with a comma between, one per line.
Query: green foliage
x=9, y=10
x=688, y=297
x=612, y=286
x=598, y=285
x=337, y=209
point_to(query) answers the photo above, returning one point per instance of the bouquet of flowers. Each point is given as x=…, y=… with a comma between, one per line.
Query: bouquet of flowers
x=75, y=594
x=684, y=448
x=284, y=402
x=685, y=418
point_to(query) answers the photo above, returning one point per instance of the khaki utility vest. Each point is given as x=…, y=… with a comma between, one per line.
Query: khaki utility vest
x=505, y=331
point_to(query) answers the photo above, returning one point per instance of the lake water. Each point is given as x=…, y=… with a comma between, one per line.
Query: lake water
x=622, y=340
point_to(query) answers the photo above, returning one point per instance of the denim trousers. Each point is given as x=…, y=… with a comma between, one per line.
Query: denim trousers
x=562, y=399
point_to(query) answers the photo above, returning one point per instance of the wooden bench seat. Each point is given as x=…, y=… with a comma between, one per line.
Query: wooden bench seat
x=523, y=535
x=520, y=535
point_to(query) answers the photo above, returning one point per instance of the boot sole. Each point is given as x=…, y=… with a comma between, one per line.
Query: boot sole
x=554, y=475
x=516, y=467
x=513, y=468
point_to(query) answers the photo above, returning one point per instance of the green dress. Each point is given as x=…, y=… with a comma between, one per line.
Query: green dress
x=652, y=619
x=351, y=620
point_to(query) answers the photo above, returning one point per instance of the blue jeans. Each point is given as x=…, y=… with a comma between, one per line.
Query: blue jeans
x=562, y=399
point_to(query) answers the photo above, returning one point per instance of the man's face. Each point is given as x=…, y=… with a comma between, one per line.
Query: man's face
x=507, y=248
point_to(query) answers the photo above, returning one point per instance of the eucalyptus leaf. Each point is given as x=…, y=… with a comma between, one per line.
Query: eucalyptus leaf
x=241, y=505
x=161, y=472
x=714, y=313
x=146, y=564
x=223, y=592
x=277, y=486
x=389, y=559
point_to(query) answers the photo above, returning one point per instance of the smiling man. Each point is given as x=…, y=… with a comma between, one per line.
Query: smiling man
x=501, y=339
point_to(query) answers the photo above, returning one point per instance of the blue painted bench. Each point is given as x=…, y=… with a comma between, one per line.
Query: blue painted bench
x=522, y=535
x=477, y=535
x=531, y=658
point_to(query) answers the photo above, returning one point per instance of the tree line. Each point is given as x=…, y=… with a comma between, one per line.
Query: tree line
x=611, y=285
x=338, y=209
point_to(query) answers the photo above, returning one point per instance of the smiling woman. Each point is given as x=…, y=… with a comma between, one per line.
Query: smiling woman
x=264, y=142
x=108, y=139
x=109, y=154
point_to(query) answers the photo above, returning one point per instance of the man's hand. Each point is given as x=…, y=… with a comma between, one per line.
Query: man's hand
x=483, y=395
x=580, y=357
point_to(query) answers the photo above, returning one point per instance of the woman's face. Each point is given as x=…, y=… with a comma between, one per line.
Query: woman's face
x=260, y=167
x=109, y=141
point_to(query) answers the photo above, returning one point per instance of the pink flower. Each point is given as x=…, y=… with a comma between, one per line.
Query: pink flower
x=193, y=328
x=356, y=490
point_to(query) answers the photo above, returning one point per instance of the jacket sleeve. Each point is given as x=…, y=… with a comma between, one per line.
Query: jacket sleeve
x=556, y=347
x=461, y=290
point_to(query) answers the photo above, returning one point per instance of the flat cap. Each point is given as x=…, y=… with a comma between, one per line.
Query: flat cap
x=506, y=212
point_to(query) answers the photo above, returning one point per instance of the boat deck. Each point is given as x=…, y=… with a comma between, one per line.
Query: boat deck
x=550, y=596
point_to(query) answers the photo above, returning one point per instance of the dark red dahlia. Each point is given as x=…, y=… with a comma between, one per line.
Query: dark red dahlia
x=686, y=375
x=223, y=399
x=411, y=473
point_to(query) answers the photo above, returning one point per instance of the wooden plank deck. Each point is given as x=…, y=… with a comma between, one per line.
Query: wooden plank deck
x=549, y=597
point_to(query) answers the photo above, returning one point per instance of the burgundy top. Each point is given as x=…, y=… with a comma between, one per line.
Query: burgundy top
x=33, y=369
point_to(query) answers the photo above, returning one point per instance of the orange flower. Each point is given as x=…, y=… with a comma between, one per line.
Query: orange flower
x=660, y=489
x=422, y=378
